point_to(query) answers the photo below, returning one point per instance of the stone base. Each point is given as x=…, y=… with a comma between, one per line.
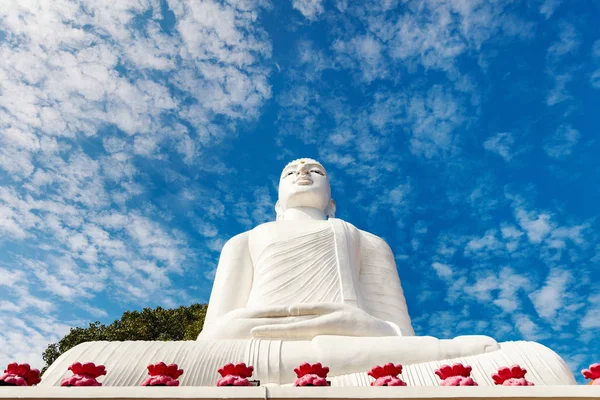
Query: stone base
x=583, y=392
x=274, y=361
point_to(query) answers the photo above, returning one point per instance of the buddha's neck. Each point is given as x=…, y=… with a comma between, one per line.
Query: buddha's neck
x=303, y=213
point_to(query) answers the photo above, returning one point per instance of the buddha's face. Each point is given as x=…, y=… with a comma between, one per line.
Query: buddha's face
x=304, y=183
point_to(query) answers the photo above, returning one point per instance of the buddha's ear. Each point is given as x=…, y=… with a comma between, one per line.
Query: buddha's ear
x=330, y=209
x=278, y=211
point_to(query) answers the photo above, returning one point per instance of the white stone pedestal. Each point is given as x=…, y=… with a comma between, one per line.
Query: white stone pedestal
x=573, y=392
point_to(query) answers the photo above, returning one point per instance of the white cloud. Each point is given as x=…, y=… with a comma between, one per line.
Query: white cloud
x=500, y=144
x=536, y=225
x=529, y=329
x=313, y=60
x=562, y=142
x=51, y=91
x=559, y=92
x=24, y=339
x=434, y=118
x=85, y=108
x=591, y=319
x=549, y=299
x=595, y=79
x=444, y=271
x=595, y=75
x=483, y=246
x=259, y=210
x=568, y=42
x=548, y=7
x=510, y=283
x=366, y=52
x=432, y=33
x=311, y=9
x=482, y=288
x=511, y=235
x=501, y=289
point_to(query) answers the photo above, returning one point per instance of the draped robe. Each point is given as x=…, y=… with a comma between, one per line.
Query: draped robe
x=290, y=262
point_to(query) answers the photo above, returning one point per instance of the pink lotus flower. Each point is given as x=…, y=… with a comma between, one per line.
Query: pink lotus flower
x=456, y=375
x=84, y=375
x=20, y=375
x=386, y=375
x=311, y=375
x=513, y=376
x=235, y=375
x=592, y=373
x=162, y=374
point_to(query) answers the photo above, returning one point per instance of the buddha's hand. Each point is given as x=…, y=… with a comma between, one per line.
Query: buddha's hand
x=238, y=324
x=325, y=319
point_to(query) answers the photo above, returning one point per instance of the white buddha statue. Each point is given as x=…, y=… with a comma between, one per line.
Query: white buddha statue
x=311, y=288
x=306, y=274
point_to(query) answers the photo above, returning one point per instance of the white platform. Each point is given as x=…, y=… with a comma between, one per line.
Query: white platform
x=581, y=392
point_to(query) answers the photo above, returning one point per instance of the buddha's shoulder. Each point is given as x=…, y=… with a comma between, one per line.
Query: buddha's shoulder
x=368, y=239
x=238, y=240
x=244, y=236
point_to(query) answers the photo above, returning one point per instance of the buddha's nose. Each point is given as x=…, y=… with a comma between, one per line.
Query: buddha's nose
x=303, y=171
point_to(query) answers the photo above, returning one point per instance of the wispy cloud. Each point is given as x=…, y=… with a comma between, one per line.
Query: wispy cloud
x=566, y=43
x=561, y=144
x=310, y=9
x=595, y=75
x=501, y=144
x=550, y=298
x=85, y=107
x=548, y=7
x=529, y=329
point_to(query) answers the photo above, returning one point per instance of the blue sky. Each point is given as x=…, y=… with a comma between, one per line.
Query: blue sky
x=136, y=138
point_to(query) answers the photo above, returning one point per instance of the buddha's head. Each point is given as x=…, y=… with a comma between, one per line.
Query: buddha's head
x=304, y=183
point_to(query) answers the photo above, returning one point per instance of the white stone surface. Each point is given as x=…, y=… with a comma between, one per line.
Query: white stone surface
x=305, y=275
x=274, y=360
x=314, y=393
x=311, y=288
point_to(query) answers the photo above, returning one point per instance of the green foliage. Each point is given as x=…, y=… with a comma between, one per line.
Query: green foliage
x=182, y=323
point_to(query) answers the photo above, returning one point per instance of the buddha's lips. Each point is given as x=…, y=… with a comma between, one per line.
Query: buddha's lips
x=304, y=181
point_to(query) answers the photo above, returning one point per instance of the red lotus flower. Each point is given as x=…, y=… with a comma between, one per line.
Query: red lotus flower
x=386, y=375
x=20, y=375
x=311, y=375
x=84, y=375
x=233, y=380
x=238, y=369
x=513, y=376
x=316, y=369
x=456, y=375
x=311, y=380
x=235, y=375
x=592, y=373
x=162, y=374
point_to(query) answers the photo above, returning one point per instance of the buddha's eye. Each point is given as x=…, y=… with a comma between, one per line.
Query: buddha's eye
x=289, y=173
x=316, y=171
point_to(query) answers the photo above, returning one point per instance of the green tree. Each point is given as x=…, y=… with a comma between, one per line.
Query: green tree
x=181, y=323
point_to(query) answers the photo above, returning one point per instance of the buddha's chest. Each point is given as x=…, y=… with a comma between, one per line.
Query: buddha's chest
x=296, y=262
x=286, y=235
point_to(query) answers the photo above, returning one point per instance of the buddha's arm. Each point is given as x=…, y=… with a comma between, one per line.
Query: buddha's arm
x=380, y=285
x=233, y=279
